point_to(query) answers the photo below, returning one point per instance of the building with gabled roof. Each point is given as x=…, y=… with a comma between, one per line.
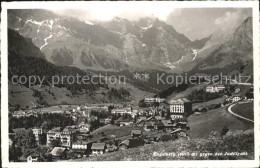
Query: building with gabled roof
x=64, y=135
x=180, y=108
x=215, y=88
x=98, y=148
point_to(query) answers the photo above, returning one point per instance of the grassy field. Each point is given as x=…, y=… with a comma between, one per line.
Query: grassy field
x=245, y=110
x=208, y=103
x=114, y=130
x=214, y=120
x=205, y=149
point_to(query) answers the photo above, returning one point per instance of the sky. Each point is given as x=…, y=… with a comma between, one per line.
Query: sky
x=195, y=23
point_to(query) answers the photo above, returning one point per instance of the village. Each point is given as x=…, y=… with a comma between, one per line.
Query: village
x=107, y=128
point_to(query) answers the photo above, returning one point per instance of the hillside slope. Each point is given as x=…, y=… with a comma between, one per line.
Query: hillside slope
x=205, y=148
x=28, y=61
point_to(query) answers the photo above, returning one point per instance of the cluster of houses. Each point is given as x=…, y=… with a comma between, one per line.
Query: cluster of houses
x=21, y=113
x=164, y=122
x=82, y=145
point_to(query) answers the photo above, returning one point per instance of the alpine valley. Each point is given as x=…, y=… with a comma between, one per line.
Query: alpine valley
x=43, y=42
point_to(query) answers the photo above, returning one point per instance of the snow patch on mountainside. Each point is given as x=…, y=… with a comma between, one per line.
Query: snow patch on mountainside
x=195, y=52
x=46, y=42
x=148, y=27
x=88, y=22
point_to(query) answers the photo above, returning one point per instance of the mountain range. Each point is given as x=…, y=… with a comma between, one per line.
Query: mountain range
x=120, y=44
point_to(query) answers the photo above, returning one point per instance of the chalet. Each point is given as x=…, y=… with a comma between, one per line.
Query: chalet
x=83, y=127
x=150, y=125
x=81, y=147
x=182, y=125
x=201, y=109
x=98, y=148
x=111, y=146
x=180, y=108
x=150, y=139
x=34, y=157
x=215, y=88
x=124, y=121
x=136, y=133
x=167, y=124
x=164, y=138
x=58, y=152
x=130, y=143
x=179, y=133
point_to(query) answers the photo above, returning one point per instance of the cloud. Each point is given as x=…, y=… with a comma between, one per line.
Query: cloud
x=130, y=11
x=230, y=19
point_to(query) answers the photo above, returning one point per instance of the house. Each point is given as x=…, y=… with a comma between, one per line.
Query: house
x=179, y=133
x=111, y=146
x=150, y=125
x=215, y=88
x=130, y=143
x=105, y=121
x=180, y=108
x=237, y=90
x=250, y=94
x=81, y=147
x=236, y=99
x=98, y=148
x=59, y=152
x=37, y=132
x=34, y=157
x=18, y=114
x=141, y=121
x=97, y=107
x=182, y=124
x=153, y=100
x=136, y=133
x=126, y=110
x=124, y=121
x=160, y=100
x=83, y=127
x=201, y=109
x=164, y=138
x=64, y=135
x=165, y=125
x=150, y=139
x=233, y=99
x=149, y=100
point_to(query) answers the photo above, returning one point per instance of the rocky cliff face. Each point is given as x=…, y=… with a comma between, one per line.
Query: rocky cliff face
x=119, y=43
x=234, y=53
